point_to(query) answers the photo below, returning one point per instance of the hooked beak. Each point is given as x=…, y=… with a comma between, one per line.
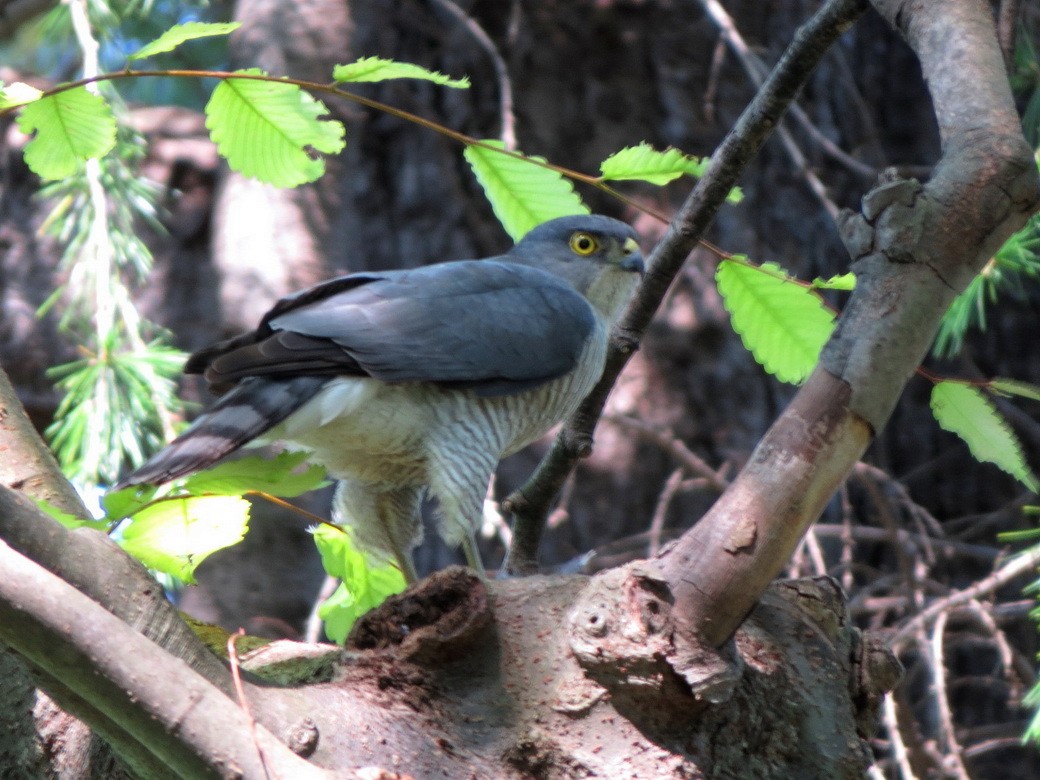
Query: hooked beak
x=633, y=258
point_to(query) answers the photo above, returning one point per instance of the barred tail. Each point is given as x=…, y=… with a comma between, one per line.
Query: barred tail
x=254, y=406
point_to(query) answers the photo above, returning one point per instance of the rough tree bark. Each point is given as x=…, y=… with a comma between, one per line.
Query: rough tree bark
x=641, y=671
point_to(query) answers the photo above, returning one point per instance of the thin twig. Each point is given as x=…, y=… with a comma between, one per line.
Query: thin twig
x=890, y=716
x=1007, y=655
x=674, y=446
x=671, y=487
x=901, y=537
x=756, y=71
x=505, y=87
x=948, y=739
x=812, y=546
x=240, y=693
x=1014, y=568
x=315, y=625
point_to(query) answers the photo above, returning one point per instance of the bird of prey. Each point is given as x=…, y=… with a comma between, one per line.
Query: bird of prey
x=408, y=381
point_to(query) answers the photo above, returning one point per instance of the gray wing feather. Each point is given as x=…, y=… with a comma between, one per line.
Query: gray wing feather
x=496, y=327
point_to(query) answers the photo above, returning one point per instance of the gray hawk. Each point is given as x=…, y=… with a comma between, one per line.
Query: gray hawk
x=403, y=382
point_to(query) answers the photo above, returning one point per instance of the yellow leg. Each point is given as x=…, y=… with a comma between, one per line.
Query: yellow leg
x=472, y=552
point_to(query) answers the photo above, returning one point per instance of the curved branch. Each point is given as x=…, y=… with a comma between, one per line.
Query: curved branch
x=86, y=559
x=915, y=247
x=175, y=715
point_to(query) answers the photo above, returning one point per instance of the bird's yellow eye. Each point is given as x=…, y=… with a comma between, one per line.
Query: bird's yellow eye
x=583, y=244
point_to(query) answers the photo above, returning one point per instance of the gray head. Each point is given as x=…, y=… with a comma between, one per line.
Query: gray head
x=598, y=255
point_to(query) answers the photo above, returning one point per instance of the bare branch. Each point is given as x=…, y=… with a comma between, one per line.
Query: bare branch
x=1013, y=569
x=916, y=246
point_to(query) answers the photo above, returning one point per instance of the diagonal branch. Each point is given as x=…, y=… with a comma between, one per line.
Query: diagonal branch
x=530, y=504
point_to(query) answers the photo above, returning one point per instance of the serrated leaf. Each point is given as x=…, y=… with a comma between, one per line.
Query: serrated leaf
x=781, y=323
x=181, y=33
x=644, y=163
x=967, y=412
x=1014, y=387
x=846, y=282
x=379, y=69
x=523, y=194
x=363, y=585
x=277, y=476
x=71, y=127
x=17, y=94
x=265, y=130
x=175, y=535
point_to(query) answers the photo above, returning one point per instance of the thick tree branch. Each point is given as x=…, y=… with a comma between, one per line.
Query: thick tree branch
x=94, y=564
x=27, y=464
x=183, y=721
x=915, y=246
x=530, y=504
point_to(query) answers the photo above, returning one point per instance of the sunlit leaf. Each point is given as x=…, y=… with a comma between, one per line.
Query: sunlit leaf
x=17, y=94
x=180, y=33
x=644, y=163
x=965, y=411
x=781, y=323
x=71, y=127
x=266, y=130
x=364, y=585
x=523, y=194
x=175, y=535
x=379, y=69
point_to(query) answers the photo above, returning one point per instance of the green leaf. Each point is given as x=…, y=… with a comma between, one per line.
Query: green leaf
x=965, y=411
x=68, y=519
x=71, y=127
x=846, y=282
x=17, y=94
x=379, y=69
x=123, y=503
x=1014, y=387
x=781, y=323
x=523, y=194
x=277, y=476
x=180, y=33
x=363, y=585
x=175, y=535
x=644, y=163
x=264, y=129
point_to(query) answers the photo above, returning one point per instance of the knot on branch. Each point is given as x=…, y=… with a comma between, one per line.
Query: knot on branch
x=873, y=669
x=875, y=672
x=625, y=340
x=435, y=621
x=889, y=223
x=576, y=443
x=623, y=635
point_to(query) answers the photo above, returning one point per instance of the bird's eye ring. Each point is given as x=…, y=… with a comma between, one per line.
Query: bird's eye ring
x=583, y=244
